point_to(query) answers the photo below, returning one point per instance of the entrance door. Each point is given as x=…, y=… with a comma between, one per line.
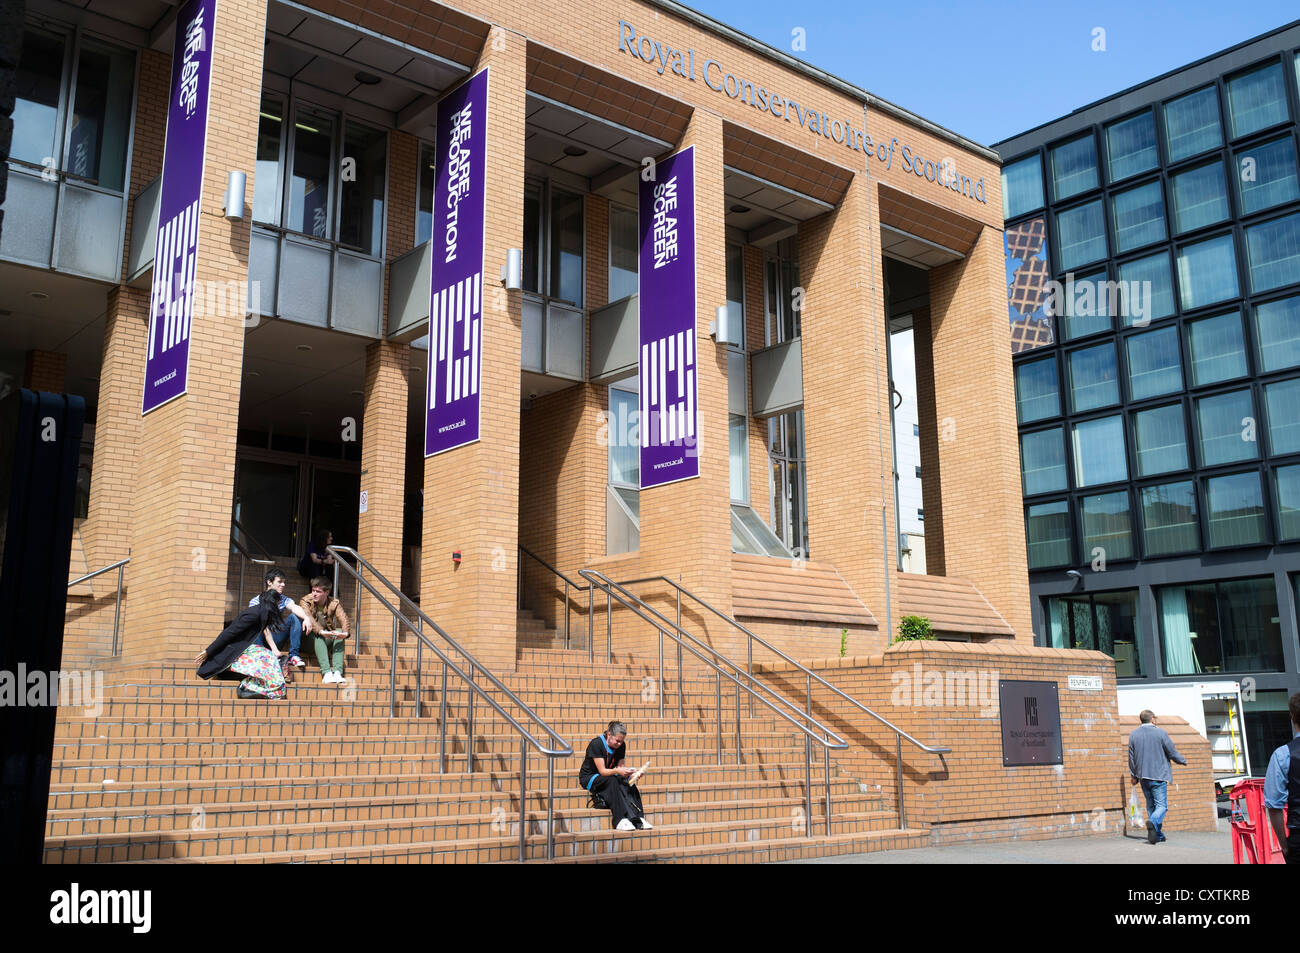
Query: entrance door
x=335, y=495
x=266, y=504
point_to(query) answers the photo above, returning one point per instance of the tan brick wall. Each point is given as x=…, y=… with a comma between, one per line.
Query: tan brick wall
x=760, y=464
x=45, y=370
x=383, y=472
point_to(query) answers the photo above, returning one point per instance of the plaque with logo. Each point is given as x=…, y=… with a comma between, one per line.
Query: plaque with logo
x=1031, y=723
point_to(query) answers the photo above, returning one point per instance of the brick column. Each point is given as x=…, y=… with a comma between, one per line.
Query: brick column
x=846, y=397
x=975, y=418
x=186, y=457
x=383, y=472
x=45, y=370
x=471, y=494
x=931, y=460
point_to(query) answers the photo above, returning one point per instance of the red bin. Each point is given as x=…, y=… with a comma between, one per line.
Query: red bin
x=1253, y=840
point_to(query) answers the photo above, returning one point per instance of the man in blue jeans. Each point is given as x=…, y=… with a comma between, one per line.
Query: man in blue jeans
x=298, y=622
x=1149, y=752
x=1282, y=788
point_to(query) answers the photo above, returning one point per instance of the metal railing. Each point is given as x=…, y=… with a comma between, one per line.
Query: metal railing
x=569, y=586
x=802, y=720
x=120, y=566
x=246, y=556
x=417, y=622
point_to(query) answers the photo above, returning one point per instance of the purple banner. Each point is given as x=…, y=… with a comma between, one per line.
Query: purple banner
x=171, y=302
x=667, y=377
x=456, y=275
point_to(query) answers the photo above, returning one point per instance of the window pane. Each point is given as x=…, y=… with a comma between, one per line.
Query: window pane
x=101, y=115
x=532, y=236
x=1047, y=528
x=361, y=205
x=1154, y=365
x=1099, y=455
x=424, y=214
x=1207, y=272
x=1094, y=379
x=1256, y=100
x=1189, y=627
x=735, y=295
x=1216, y=348
x=1234, y=510
x=1161, y=440
x=1192, y=124
x=36, y=106
x=1081, y=235
x=1227, y=424
x=1074, y=167
x=1139, y=216
x=309, y=189
x=1146, y=289
x=1087, y=307
x=1266, y=175
x=624, y=253
x=266, y=179
x=1252, y=631
x=1277, y=327
x=1283, y=402
x=1273, y=250
x=1036, y=391
x=624, y=450
x=1131, y=146
x=738, y=450
x=1070, y=618
x=1106, y=525
x=1022, y=187
x=1288, y=503
x=566, y=247
x=1119, y=629
x=1169, y=518
x=1200, y=197
x=1042, y=461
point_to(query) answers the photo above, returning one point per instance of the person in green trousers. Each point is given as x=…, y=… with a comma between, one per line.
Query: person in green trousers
x=331, y=629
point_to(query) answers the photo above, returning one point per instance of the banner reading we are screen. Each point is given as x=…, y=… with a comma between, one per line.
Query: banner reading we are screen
x=667, y=378
x=171, y=300
x=456, y=275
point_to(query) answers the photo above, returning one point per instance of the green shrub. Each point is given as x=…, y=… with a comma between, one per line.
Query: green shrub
x=914, y=628
x=844, y=642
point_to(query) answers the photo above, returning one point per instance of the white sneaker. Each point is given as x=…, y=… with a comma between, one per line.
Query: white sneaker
x=338, y=678
x=327, y=678
x=625, y=825
x=646, y=825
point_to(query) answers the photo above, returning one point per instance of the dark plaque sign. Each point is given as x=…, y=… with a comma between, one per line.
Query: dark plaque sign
x=1031, y=723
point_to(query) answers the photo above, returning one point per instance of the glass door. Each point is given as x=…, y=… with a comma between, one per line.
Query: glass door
x=266, y=504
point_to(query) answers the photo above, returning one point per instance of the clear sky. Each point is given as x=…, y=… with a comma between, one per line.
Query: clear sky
x=990, y=70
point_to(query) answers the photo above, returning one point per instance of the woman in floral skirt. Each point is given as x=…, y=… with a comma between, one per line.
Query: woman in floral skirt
x=238, y=653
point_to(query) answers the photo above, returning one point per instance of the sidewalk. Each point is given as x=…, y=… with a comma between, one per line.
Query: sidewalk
x=1201, y=847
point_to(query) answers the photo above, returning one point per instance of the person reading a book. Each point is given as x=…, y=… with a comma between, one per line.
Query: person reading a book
x=331, y=628
x=604, y=775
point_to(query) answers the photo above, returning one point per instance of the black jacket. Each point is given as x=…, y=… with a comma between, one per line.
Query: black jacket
x=239, y=635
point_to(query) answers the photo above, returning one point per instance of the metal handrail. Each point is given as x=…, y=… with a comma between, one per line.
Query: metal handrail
x=828, y=739
x=246, y=557
x=569, y=584
x=526, y=737
x=120, y=566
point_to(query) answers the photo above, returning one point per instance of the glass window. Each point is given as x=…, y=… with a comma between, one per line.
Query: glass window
x=1256, y=100
x=424, y=209
x=1094, y=378
x=1227, y=428
x=266, y=178
x=624, y=252
x=1022, y=187
x=1207, y=272
x=1200, y=197
x=1234, y=510
x=532, y=235
x=1146, y=290
x=735, y=295
x=1277, y=330
x=1081, y=235
x=101, y=115
x=1161, y=440
x=738, y=446
x=1107, y=526
x=1216, y=349
x=1273, y=250
x=1266, y=175
x=566, y=247
x=1288, y=503
x=361, y=195
x=624, y=438
x=1047, y=529
x=1154, y=364
x=1283, y=402
x=1074, y=167
x=1131, y=146
x=1037, y=395
x=1042, y=461
x=309, y=200
x=1230, y=626
x=1087, y=305
x=1169, y=519
x=1105, y=622
x=38, y=82
x=1192, y=124
x=1139, y=216
x=1099, y=453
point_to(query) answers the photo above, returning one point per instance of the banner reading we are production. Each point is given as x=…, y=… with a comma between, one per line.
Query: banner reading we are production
x=171, y=301
x=667, y=376
x=456, y=275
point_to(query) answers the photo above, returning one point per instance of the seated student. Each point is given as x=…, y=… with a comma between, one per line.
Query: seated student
x=603, y=774
x=328, y=615
x=318, y=560
x=299, y=621
x=236, y=652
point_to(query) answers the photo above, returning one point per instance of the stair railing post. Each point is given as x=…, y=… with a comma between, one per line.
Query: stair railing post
x=738, y=721
x=807, y=784
x=591, y=621
x=357, y=617
x=419, y=661
x=392, y=676
x=609, y=624
x=659, y=689
x=566, y=613
x=469, y=720
x=117, y=611
x=826, y=753
x=550, y=808
x=442, y=723
x=749, y=669
x=523, y=794
x=718, y=681
x=680, y=689
x=898, y=761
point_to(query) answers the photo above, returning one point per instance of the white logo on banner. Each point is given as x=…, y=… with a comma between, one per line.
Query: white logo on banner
x=665, y=226
x=668, y=411
x=455, y=340
x=195, y=42
x=173, y=283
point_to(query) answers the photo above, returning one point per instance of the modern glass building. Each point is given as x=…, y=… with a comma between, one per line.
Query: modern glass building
x=1153, y=274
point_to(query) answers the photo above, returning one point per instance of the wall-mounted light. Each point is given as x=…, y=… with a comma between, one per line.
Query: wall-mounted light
x=236, y=183
x=718, y=329
x=512, y=272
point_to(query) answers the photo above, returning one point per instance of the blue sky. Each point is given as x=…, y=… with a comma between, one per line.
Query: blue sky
x=989, y=70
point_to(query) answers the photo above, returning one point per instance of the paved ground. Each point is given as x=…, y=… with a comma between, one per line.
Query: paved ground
x=1194, y=848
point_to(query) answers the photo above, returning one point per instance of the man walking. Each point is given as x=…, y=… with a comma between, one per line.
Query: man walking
x=1282, y=788
x=1149, y=752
